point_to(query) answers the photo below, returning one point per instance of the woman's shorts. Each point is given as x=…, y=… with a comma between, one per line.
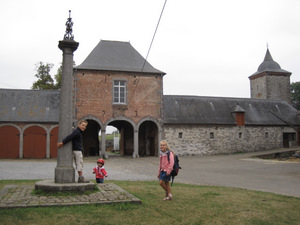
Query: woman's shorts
x=163, y=176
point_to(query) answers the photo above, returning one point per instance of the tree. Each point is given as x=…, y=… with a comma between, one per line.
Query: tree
x=295, y=95
x=57, y=77
x=45, y=81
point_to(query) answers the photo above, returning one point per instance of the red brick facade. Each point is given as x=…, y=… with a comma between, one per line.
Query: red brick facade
x=94, y=91
x=138, y=119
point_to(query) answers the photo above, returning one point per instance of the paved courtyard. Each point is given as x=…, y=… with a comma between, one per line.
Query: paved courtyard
x=237, y=170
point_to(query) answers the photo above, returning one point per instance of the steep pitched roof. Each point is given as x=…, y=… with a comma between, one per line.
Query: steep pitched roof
x=269, y=65
x=218, y=111
x=117, y=56
x=29, y=105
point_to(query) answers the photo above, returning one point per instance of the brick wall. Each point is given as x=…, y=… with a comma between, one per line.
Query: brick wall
x=94, y=90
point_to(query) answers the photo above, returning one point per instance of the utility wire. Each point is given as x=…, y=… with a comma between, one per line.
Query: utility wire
x=154, y=35
x=138, y=79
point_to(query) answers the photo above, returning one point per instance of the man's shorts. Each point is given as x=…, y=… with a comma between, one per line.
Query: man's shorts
x=163, y=176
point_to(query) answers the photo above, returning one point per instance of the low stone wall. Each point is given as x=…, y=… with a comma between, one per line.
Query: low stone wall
x=211, y=140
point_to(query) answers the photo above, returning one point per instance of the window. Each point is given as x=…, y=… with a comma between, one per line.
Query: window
x=240, y=134
x=180, y=135
x=266, y=135
x=211, y=135
x=119, y=92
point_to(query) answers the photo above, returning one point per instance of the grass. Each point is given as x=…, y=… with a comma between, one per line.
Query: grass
x=109, y=136
x=192, y=204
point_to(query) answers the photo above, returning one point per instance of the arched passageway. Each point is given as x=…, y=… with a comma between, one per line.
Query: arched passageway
x=148, y=139
x=132, y=141
x=126, y=136
x=90, y=138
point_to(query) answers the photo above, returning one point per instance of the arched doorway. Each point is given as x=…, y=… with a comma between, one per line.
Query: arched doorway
x=125, y=129
x=34, y=143
x=148, y=139
x=90, y=138
x=112, y=140
x=9, y=142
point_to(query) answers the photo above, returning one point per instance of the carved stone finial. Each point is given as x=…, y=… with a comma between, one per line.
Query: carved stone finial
x=69, y=24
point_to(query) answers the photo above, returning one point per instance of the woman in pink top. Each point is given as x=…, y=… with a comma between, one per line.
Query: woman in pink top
x=165, y=168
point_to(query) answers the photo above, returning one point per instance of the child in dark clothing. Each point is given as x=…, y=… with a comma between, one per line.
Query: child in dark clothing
x=77, y=148
x=100, y=171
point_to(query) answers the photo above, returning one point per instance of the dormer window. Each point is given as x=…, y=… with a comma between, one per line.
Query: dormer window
x=119, y=95
x=238, y=114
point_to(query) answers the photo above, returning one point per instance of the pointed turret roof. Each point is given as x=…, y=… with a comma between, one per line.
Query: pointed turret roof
x=269, y=65
x=117, y=56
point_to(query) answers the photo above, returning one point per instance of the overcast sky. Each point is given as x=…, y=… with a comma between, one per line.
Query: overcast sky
x=207, y=48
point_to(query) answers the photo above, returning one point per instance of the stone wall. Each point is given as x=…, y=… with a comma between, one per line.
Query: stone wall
x=258, y=88
x=211, y=140
x=278, y=87
x=271, y=86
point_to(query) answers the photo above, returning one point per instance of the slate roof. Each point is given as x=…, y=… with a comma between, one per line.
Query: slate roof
x=41, y=106
x=117, y=56
x=269, y=65
x=218, y=111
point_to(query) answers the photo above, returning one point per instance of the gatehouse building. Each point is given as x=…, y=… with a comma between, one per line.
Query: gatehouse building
x=115, y=86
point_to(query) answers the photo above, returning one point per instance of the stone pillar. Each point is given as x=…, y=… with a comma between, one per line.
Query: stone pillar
x=21, y=150
x=103, y=144
x=135, y=144
x=48, y=145
x=64, y=171
x=159, y=140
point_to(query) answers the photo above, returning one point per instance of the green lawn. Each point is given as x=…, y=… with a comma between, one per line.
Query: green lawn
x=192, y=204
x=109, y=136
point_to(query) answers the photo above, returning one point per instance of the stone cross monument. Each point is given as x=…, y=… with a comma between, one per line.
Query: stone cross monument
x=64, y=171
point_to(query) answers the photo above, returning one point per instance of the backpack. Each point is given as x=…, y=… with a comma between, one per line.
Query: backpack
x=176, y=166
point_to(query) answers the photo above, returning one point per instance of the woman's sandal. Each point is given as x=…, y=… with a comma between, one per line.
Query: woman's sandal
x=168, y=198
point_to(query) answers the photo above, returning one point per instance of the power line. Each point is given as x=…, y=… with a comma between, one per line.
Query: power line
x=154, y=35
x=138, y=79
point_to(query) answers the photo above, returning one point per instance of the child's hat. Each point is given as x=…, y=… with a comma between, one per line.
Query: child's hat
x=101, y=161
